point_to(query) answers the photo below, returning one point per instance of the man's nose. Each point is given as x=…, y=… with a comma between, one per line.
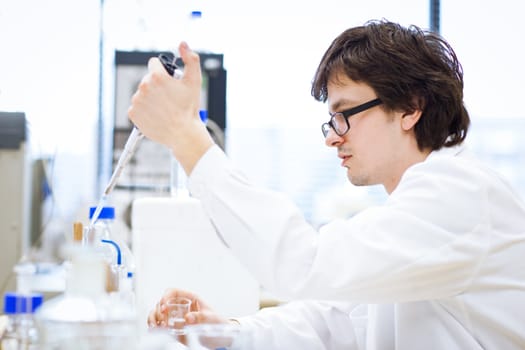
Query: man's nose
x=332, y=139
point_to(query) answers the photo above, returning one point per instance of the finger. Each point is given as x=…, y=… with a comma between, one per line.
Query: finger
x=192, y=65
x=152, y=319
x=196, y=303
x=160, y=317
x=176, y=293
x=197, y=317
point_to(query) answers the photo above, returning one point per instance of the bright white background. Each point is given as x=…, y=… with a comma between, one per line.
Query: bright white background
x=49, y=69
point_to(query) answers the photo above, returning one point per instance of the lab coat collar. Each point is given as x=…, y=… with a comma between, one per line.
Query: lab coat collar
x=443, y=152
x=447, y=151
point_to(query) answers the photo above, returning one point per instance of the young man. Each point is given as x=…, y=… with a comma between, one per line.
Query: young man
x=438, y=266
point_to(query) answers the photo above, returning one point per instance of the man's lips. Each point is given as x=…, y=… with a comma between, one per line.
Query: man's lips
x=344, y=158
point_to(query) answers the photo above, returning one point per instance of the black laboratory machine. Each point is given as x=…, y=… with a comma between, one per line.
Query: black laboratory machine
x=149, y=168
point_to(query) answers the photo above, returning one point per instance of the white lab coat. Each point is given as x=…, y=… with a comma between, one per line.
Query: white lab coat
x=441, y=265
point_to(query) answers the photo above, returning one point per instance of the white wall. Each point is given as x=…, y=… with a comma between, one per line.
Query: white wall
x=489, y=38
x=49, y=70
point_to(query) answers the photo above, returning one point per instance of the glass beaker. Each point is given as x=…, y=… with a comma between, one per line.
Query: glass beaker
x=177, y=308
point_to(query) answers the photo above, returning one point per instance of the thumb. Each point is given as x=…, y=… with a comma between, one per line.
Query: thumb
x=196, y=317
x=192, y=64
x=154, y=65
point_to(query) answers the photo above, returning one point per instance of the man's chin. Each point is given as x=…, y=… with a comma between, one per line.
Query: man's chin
x=356, y=180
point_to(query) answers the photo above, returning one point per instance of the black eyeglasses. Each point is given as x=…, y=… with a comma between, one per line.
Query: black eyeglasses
x=339, y=120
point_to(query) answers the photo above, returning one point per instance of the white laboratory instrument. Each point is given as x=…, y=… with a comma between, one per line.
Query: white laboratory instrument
x=15, y=181
x=176, y=246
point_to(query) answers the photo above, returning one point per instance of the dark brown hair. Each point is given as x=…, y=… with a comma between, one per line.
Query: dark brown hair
x=408, y=68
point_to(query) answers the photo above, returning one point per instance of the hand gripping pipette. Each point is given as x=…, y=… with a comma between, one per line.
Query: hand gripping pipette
x=168, y=61
x=135, y=136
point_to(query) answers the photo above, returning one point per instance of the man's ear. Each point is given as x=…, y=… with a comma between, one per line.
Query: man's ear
x=409, y=119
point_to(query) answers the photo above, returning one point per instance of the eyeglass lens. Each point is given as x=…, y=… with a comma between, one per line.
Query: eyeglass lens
x=339, y=124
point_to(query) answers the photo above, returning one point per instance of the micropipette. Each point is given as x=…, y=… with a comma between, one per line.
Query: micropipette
x=136, y=135
x=168, y=61
x=127, y=153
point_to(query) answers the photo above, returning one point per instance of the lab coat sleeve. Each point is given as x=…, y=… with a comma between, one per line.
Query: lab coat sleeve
x=307, y=325
x=426, y=242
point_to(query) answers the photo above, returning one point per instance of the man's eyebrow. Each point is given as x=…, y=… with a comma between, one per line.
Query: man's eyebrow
x=336, y=106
